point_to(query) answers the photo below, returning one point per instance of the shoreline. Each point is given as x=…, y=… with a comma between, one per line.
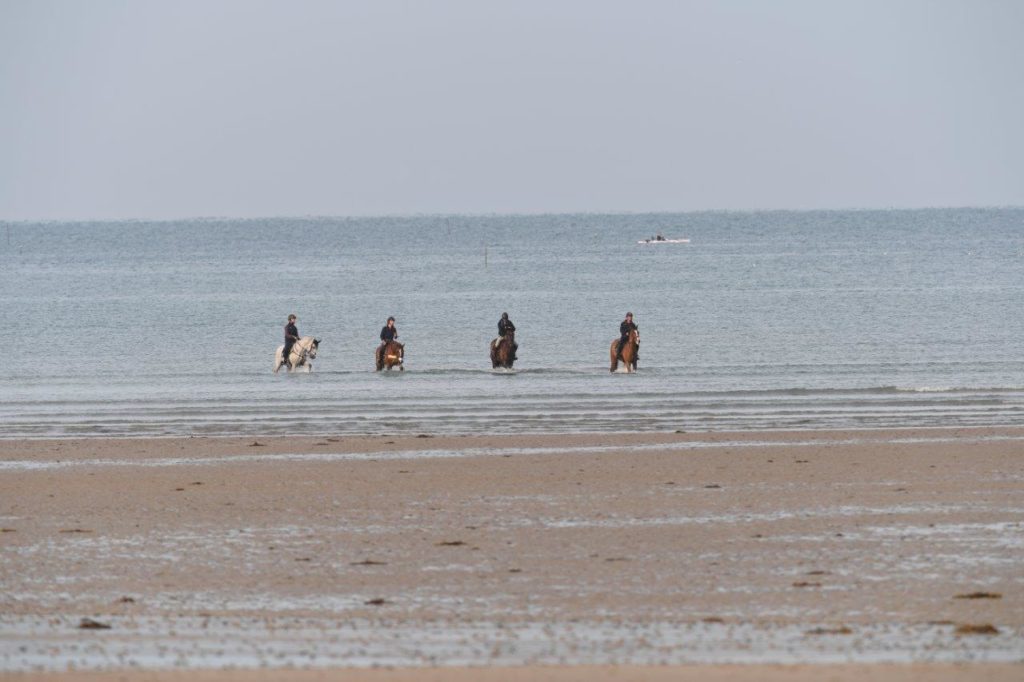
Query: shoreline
x=780, y=435
x=843, y=551
x=883, y=672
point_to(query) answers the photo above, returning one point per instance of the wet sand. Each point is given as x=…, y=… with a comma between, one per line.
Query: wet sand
x=860, y=551
x=609, y=673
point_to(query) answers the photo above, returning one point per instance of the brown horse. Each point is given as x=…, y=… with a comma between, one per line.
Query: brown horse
x=629, y=352
x=391, y=354
x=503, y=351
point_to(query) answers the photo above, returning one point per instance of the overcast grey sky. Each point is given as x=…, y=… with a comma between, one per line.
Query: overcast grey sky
x=217, y=108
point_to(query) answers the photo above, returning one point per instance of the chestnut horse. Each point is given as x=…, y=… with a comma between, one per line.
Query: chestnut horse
x=393, y=353
x=629, y=352
x=300, y=355
x=503, y=351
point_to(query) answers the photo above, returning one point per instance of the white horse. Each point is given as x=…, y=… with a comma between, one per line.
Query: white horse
x=301, y=353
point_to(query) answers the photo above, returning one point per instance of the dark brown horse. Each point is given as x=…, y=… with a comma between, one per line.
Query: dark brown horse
x=391, y=354
x=629, y=352
x=503, y=351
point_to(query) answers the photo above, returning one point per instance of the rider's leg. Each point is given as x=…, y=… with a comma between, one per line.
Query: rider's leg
x=286, y=354
x=618, y=351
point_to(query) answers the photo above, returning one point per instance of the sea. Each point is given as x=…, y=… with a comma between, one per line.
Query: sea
x=804, y=320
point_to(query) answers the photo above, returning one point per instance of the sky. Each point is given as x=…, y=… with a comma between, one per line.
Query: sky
x=161, y=110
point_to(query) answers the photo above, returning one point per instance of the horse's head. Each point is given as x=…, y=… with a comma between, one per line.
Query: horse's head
x=313, y=346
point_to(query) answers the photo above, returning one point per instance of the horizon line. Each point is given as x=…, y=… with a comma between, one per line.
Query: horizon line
x=496, y=214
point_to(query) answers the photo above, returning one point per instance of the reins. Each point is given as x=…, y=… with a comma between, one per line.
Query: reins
x=302, y=352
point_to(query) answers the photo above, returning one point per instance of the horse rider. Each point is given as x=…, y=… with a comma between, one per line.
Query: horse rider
x=625, y=328
x=389, y=332
x=291, y=335
x=504, y=326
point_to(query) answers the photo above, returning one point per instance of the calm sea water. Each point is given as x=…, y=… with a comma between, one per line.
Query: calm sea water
x=764, y=320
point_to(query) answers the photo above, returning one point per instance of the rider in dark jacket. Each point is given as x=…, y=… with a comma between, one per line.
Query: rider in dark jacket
x=625, y=328
x=504, y=326
x=291, y=335
x=389, y=332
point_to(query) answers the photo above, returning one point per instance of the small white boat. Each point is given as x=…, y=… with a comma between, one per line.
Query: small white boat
x=655, y=240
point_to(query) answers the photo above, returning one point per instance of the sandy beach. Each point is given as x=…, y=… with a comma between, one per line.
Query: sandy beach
x=883, y=554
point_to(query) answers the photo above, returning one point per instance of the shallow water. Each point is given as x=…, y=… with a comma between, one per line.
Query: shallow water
x=764, y=320
x=38, y=644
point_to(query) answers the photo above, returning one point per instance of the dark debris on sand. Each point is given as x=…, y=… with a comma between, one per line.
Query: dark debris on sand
x=981, y=629
x=842, y=630
x=979, y=595
x=90, y=624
